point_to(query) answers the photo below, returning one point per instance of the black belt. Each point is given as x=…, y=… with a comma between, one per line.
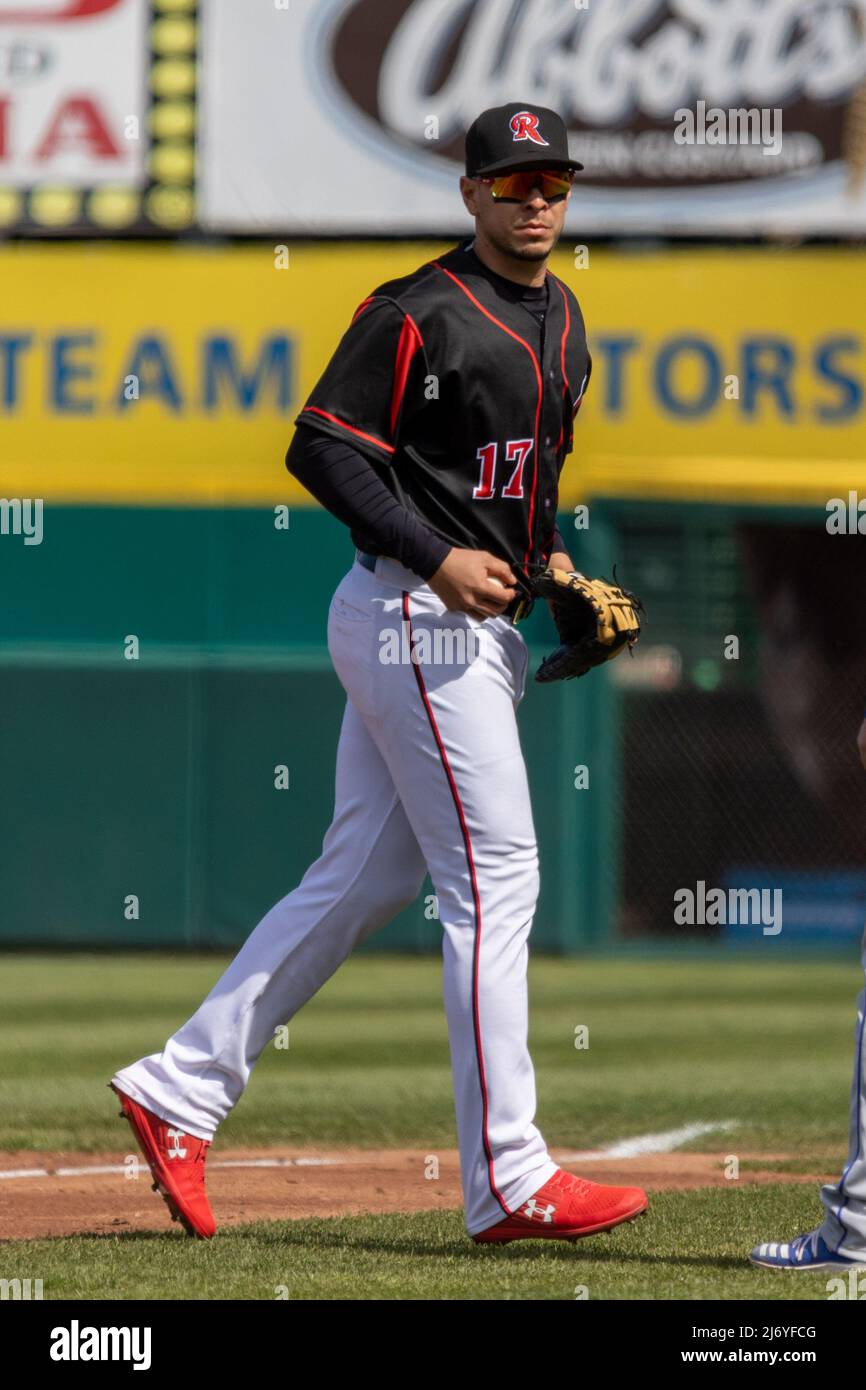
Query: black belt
x=518, y=609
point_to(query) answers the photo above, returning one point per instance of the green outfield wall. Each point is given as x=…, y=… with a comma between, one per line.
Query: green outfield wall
x=139, y=804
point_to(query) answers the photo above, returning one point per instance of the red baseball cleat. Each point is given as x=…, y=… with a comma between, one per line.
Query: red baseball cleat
x=176, y=1161
x=566, y=1208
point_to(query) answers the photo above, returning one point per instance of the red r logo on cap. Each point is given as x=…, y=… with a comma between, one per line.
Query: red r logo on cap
x=525, y=127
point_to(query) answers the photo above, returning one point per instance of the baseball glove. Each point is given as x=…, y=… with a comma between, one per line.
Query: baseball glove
x=594, y=618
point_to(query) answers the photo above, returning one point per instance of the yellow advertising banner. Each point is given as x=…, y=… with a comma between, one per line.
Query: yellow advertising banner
x=172, y=374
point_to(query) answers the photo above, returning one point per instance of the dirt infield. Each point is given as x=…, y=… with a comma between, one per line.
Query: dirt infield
x=44, y=1194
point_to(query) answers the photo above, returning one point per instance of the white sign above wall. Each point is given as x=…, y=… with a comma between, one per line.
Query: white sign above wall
x=691, y=116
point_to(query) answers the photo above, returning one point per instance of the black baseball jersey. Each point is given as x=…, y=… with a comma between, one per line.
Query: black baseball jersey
x=463, y=398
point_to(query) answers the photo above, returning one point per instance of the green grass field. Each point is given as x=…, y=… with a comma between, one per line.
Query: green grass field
x=764, y=1047
x=690, y=1246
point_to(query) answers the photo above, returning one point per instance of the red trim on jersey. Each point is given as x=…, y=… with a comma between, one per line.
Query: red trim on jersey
x=410, y=342
x=476, y=898
x=361, y=307
x=565, y=334
x=516, y=336
x=371, y=438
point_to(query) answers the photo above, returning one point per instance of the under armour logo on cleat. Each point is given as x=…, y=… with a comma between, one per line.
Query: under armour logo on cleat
x=174, y=1147
x=535, y=1212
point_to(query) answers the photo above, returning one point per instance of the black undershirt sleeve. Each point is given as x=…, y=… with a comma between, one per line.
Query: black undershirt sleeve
x=558, y=542
x=347, y=485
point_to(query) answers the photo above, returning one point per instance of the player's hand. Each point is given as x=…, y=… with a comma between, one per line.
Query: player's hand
x=861, y=742
x=559, y=560
x=474, y=582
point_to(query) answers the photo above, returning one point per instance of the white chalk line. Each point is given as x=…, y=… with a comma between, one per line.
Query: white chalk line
x=664, y=1142
x=214, y=1163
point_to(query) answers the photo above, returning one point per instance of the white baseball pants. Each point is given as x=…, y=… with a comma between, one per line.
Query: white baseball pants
x=430, y=775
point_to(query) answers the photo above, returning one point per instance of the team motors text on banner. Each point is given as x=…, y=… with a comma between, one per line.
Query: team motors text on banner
x=174, y=374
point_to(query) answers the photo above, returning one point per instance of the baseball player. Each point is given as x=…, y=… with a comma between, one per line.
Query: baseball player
x=436, y=434
x=840, y=1241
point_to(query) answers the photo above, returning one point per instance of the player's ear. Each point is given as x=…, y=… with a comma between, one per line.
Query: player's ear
x=469, y=190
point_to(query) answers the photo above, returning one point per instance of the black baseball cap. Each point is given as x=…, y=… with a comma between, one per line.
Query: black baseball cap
x=517, y=136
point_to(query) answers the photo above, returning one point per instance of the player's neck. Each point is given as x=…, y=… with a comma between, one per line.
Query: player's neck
x=528, y=273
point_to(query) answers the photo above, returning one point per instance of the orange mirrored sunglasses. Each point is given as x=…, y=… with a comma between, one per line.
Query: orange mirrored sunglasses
x=552, y=183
